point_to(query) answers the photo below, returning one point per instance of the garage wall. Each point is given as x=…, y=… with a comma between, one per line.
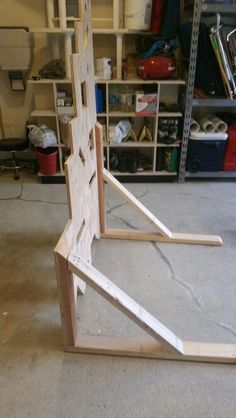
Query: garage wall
x=16, y=106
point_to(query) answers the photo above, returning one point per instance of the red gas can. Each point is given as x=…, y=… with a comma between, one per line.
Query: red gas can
x=229, y=163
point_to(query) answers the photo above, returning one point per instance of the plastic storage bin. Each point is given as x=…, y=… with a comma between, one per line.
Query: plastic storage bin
x=206, y=152
x=229, y=163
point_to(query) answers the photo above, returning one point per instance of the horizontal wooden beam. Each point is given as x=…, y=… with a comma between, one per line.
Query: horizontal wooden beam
x=107, y=289
x=155, y=236
x=147, y=347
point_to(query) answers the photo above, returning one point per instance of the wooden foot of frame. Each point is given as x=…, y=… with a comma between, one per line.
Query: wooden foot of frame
x=155, y=236
x=162, y=344
x=147, y=347
x=163, y=234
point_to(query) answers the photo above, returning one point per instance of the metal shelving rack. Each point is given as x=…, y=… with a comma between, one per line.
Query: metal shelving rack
x=109, y=117
x=201, y=7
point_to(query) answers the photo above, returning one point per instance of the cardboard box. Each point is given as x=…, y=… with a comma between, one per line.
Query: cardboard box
x=145, y=104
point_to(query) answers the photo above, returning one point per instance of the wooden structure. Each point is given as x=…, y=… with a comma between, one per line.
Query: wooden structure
x=85, y=176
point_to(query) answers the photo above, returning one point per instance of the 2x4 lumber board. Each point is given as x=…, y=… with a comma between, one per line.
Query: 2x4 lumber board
x=116, y=14
x=126, y=234
x=124, y=303
x=147, y=347
x=66, y=294
x=101, y=194
x=62, y=13
x=138, y=206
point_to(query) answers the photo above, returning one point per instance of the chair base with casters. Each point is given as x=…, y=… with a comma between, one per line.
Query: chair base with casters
x=13, y=145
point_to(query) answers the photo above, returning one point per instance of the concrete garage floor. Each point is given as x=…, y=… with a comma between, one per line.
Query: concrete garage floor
x=191, y=289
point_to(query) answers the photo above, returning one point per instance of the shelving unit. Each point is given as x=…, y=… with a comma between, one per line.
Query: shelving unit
x=120, y=43
x=110, y=117
x=108, y=26
x=202, y=8
x=45, y=91
x=47, y=112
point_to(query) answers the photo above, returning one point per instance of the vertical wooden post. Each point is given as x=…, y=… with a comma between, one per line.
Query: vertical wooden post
x=50, y=13
x=116, y=14
x=101, y=192
x=67, y=300
x=119, y=55
x=62, y=13
x=68, y=52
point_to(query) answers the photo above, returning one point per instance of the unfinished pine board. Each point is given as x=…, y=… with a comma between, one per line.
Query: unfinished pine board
x=127, y=234
x=147, y=347
x=144, y=212
x=81, y=180
x=101, y=191
x=167, y=235
x=124, y=303
x=85, y=178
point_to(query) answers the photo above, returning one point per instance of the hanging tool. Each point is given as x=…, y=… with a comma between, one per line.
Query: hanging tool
x=223, y=55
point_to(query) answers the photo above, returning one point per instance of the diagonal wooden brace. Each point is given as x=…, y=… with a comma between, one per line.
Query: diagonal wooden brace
x=164, y=235
x=124, y=303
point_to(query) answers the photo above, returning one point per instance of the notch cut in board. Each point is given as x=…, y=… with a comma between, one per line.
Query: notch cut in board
x=91, y=139
x=91, y=181
x=136, y=204
x=80, y=231
x=82, y=156
x=84, y=94
x=113, y=294
x=165, y=235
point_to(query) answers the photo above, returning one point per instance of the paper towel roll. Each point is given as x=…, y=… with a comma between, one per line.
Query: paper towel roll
x=220, y=125
x=194, y=126
x=207, y=125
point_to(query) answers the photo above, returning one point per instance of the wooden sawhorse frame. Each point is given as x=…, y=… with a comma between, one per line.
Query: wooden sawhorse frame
x=85, y=177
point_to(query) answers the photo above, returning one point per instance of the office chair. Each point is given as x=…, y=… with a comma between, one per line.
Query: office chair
x=13, y=145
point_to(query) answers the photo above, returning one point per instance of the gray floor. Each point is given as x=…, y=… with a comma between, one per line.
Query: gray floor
x=190, y=288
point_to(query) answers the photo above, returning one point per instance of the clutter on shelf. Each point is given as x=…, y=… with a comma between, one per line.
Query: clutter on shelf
x=167, y=159
x=41, y=136
x=168, y=131
x=216, y=58
x=212, y=143
x=131, y=161
x=53, y=69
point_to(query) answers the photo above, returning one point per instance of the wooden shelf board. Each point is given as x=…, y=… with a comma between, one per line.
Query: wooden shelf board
x=120, y=31
x=128, y=81
x=170, y=114
x=68, y=18
x=133, y=145
x=50, y=81
x=52, y=30
x=128, y=114
x=45, y=113
x=140, y=81
x=165, y=173
x=141, y=173
x=161, y=145
x=145, y=173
